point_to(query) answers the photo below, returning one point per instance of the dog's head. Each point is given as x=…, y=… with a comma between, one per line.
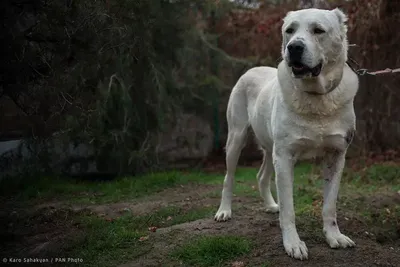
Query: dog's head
x=313, y=39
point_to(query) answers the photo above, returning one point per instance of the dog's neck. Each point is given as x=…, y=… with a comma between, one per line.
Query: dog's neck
x=321, y=95
x=325, y=83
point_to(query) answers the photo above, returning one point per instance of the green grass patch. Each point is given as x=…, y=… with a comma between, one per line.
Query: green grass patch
x=378, y=178
x=96, y=192
x=211, y=251
x=382, y=173
x=110, y=242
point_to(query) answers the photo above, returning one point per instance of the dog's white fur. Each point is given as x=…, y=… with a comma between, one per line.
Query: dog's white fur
x=294, y=119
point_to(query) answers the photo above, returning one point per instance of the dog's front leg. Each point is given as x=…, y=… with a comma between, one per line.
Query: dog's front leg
x=333, y=168
x=284, y=164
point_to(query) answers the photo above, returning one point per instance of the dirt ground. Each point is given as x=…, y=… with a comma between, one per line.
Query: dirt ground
x=50, y=230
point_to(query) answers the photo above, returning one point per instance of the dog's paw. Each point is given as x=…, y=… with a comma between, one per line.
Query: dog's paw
x=223, y=215
x=272, y=208
x=296, y=248
x=339, y=240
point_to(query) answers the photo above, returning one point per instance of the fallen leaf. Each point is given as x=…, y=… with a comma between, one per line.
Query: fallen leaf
x=152, y=228
x=143, y=238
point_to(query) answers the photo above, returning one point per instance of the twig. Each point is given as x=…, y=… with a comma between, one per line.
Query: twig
x=66, y=100
x=41, y=74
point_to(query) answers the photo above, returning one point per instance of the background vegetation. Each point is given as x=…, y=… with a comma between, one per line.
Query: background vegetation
x=114, y=74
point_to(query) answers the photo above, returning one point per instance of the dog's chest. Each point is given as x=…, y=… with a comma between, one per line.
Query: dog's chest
x=314, y=141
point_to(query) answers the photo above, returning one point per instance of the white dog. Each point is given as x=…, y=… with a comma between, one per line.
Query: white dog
x=302, y=110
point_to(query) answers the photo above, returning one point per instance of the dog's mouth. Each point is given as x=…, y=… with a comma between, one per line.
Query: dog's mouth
x=300, y=70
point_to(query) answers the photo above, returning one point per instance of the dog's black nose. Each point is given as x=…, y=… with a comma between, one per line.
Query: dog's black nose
x=296, y=50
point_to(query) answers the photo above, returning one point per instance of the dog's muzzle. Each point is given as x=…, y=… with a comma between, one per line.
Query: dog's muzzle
x=296, y=51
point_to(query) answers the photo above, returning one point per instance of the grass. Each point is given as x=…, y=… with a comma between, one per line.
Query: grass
x=386, y=174
x=97, y=192
x=100, y=192
x=212, y=250
x=108, y=242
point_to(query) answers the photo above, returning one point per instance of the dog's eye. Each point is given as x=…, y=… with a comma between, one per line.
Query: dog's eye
x=318, y=31
x=289, y=30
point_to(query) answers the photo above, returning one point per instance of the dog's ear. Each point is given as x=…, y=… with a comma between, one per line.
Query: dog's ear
x=342, y=18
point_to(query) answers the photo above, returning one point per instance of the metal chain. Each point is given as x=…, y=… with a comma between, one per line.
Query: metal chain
x=363, y=72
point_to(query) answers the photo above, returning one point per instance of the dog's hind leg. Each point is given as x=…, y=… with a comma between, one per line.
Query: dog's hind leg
x=238, y=124
x=264, y=182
